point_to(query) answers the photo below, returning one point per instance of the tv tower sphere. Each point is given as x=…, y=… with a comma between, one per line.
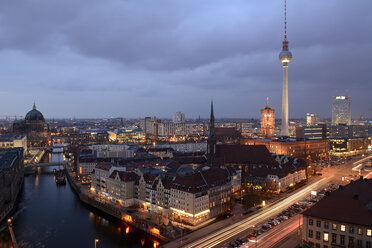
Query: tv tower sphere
x=285, y=55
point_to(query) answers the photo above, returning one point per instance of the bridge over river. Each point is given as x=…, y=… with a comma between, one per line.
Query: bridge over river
x=31, y=165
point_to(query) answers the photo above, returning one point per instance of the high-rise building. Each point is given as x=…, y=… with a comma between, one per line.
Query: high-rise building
x=341, y=110
x=179, y=117
x=285, y=57
x=150, y=125
x=267, y=121
x=312, y=119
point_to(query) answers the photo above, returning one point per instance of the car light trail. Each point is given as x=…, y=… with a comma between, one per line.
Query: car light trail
x=232, y=230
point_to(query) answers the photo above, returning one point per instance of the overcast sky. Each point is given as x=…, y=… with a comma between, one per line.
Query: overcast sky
x=118, y=58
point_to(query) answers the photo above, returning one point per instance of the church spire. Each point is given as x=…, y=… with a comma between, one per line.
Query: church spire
x=212, y=131
x=267, y=102
x=212, y=138
x=34, y=107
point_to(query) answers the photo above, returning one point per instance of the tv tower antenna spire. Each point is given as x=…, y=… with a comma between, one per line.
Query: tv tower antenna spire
x=285, y=19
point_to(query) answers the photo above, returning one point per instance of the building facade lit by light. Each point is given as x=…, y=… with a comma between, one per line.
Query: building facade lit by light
x=267, y=121
x=312, y=119
x=341, y=113
x=179, y=117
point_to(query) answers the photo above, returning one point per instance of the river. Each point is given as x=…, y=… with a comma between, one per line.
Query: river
x=47, y=215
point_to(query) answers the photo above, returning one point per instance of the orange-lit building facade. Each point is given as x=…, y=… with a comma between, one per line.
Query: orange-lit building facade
x=314, y=150
x=267, y=121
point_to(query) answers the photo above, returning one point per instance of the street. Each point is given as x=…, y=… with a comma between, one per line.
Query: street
x=239, y=229
x=219, y=237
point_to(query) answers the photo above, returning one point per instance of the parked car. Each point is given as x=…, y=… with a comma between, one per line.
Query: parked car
x=234, y=244
x=266, y=226
x=258, y=232
x=251, y=236
x=240, y=241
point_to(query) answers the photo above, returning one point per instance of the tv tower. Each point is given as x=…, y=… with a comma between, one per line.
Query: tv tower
x=285, y=56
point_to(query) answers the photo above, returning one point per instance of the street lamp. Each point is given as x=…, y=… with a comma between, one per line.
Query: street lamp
x=95, y=243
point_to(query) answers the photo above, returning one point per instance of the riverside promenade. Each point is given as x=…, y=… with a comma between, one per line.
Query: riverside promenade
x=160, y=232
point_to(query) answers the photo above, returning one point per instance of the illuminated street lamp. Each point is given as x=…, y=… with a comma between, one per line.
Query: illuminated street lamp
x=95, y=243
x=263, y=203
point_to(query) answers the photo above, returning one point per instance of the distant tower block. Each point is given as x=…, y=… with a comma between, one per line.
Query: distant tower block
x=267, y=121
x=285, y=57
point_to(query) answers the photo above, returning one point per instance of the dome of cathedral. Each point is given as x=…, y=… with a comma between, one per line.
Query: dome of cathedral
x=34, y=115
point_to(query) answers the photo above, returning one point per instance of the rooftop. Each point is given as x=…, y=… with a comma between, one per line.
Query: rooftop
x=9, y=156
x=204, y=178
x=349, y=204
x=252, y=154
x=124, y=176
x=10, y=137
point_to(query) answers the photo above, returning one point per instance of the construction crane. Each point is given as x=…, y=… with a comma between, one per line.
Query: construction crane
x=11, y=117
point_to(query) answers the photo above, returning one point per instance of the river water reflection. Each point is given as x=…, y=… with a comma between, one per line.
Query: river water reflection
x=51, y=216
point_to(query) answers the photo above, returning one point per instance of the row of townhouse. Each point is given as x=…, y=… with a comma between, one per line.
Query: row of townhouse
x=192, y=198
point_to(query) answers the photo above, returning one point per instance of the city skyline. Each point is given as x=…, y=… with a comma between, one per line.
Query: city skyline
x=141, y=59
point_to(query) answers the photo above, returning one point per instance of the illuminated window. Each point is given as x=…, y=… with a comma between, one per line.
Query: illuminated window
x=343, y=228
x=360, y=231
x=334, y=226
x=369, y=232
x=325, y=237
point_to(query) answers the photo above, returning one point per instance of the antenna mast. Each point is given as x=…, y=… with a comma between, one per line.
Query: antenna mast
x=285, y=19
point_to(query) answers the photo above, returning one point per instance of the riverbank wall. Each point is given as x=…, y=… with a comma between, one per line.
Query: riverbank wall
x=115, y=211
x=11, y=179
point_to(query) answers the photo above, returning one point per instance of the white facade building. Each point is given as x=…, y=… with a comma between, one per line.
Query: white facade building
x=179, y=117
x=13, y=141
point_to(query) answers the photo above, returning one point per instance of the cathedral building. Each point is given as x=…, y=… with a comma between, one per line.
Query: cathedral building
x=34, y=127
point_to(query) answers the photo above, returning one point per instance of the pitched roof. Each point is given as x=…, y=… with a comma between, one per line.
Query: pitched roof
x=103, y=166
x=191, y=183
x=149, y=178
x=227, y=131
x=204, y=178
x=349, y=204
x=190, y=159
x=160, y=149
x=245, y=154
x=124, y=176
x=167, y=183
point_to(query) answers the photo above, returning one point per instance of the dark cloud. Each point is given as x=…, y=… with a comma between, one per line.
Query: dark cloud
x=164, y=56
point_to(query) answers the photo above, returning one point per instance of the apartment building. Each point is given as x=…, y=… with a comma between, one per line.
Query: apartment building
x=121, y=187
x=342, y=218
x=191, y=198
